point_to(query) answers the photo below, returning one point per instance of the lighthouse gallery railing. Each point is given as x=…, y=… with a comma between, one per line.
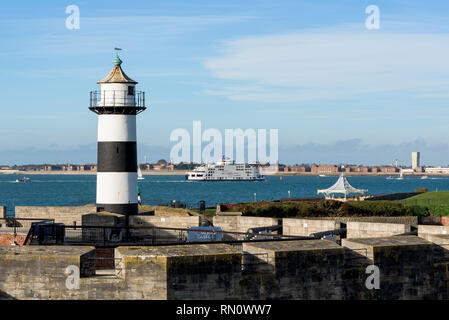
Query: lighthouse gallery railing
x=106, y=100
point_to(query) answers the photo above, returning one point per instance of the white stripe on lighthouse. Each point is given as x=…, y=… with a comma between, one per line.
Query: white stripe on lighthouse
x=116, y=127
x=117, y=187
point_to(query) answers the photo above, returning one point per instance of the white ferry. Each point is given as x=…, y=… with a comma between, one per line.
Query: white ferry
x=225, y=170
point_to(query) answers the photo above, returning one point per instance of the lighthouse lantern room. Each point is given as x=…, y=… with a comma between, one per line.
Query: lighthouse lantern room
x=117, y=103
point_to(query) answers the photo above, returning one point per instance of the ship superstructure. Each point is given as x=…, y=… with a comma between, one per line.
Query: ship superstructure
x=225, y=170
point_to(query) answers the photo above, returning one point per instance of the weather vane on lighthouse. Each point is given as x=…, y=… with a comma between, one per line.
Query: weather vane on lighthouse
x=117, y=104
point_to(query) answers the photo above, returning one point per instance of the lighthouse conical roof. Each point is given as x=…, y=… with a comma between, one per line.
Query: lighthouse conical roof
x=117, y=75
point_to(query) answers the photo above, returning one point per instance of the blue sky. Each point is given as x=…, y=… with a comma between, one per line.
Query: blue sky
x=337, y=92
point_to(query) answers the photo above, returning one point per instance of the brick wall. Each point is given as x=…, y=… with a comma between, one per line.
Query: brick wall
x=10, y=239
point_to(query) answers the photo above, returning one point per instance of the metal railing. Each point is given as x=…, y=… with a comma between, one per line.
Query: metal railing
x=103, y=236
x=16, y=226
x=116, y=98
x=117, y=101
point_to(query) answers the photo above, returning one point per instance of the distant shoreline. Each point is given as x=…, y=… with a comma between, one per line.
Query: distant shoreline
x=60, y=172
x=368, y=174
x=183, y=172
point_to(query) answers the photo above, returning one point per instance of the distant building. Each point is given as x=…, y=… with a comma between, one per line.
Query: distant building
x=444, y=170
x=325, y=168
x=91, y=167
x=415, y=160
x=271, y=169
x=299, y=168
x=388, y=169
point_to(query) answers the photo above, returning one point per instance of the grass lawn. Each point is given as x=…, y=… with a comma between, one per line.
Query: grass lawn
x=437, y=202
x=209, y=212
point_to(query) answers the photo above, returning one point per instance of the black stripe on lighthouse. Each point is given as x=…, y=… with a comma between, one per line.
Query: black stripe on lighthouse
x=121, y=208
x=117, y=156
x=117, y=164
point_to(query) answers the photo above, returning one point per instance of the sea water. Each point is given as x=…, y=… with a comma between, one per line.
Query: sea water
x=78, y=190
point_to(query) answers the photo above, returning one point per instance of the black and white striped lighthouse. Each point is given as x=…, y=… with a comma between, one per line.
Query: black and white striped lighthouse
x=117, y=104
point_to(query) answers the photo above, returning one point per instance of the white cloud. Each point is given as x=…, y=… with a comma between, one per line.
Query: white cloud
x=332, y=64
x=50, y=36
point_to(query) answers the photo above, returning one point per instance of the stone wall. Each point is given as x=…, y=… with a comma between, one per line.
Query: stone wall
x=304, y=227
x=182, y=272
x=407, y=269
x=241, y=224
x=33, y=272
x=307, y=269
x=440, y=246
x=411, y=220
x=371, y=229
x=294, y=269
x=167, y=221
x=182, y=222
x=425, y=231
x=66, y=215
x=163, y=211
x=175, y=272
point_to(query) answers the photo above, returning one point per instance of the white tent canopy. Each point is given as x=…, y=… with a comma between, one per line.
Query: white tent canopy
x=342, y=186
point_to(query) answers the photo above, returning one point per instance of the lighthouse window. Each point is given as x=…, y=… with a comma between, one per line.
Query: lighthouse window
x=130, y=90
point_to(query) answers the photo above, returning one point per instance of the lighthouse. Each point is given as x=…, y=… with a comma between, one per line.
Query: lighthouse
x=117, y=104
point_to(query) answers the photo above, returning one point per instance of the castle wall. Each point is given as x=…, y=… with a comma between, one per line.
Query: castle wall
x=410, y=268
x=426, y=231
x=407, y=268
x=34, y=272
x=371, y=229
x=306, y=269
x=65, y=214
x=163, y=222
x=241, y=224
x=304, y=227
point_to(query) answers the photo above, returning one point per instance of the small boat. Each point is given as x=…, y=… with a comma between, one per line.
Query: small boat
x=322, y=175
x=139, y=174
x=24, y=179
x=401, y=176
x=390, y=178
x=424, y=177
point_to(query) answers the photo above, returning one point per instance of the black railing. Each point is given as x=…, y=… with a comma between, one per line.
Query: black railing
x=19, y=225
x=102, y=236
x=117, y=101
